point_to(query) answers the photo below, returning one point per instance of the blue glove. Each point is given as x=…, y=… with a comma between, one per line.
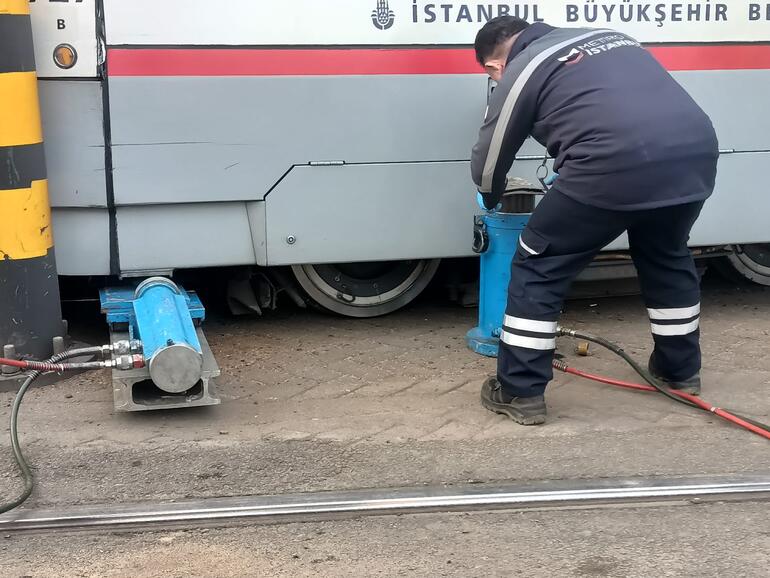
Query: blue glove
x=551, y=179
x=480, y=201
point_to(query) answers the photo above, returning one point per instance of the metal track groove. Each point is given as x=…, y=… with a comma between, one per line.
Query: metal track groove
x=358, y=503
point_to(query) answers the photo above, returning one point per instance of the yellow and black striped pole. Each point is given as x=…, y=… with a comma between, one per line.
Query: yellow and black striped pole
x=30, y=308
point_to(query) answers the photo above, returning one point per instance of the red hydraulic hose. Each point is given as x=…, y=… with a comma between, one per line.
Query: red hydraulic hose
x=607, y=380
x=34, y=365
x=726, y=415
x=46, y=366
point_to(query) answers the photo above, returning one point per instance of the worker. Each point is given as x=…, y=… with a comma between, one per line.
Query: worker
x=633, y=152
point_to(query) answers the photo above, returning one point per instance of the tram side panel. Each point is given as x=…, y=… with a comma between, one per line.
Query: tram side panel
x=735, y=100
x=403, y=191
x=222, y=165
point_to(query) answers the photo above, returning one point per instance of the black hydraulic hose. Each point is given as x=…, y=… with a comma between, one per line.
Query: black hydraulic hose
x=752, y=421
x=646, y=375
x=26, y=471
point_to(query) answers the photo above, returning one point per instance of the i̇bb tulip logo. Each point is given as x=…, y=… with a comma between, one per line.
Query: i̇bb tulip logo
x=382, y=16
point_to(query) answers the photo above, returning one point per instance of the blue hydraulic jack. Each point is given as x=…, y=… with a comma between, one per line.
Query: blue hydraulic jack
x=495, y=238
x=162, y=322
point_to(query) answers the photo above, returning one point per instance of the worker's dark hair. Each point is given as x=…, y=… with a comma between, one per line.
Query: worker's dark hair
x=494, y=33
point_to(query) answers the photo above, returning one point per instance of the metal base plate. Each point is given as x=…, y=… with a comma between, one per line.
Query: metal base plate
x=481, y=343
x=133, y=390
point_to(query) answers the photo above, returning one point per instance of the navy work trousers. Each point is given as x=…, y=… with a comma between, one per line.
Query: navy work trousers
x=562, y=237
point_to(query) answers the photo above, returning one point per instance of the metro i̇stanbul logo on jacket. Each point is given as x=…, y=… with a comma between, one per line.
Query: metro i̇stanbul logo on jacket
x=382, y=16
x=597, y=46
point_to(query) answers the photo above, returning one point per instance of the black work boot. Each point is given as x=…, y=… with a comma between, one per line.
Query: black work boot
x=691, y=385
x=522, y=410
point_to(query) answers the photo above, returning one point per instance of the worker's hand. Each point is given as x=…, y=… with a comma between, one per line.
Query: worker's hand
x=480, y=201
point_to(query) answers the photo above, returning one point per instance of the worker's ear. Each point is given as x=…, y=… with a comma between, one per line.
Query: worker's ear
x=495, y=64
x=494, y=68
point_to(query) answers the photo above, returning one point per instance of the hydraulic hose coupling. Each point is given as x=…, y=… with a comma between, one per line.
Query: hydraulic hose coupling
x=126, y=362
x=125, y=347
x=563, y=331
